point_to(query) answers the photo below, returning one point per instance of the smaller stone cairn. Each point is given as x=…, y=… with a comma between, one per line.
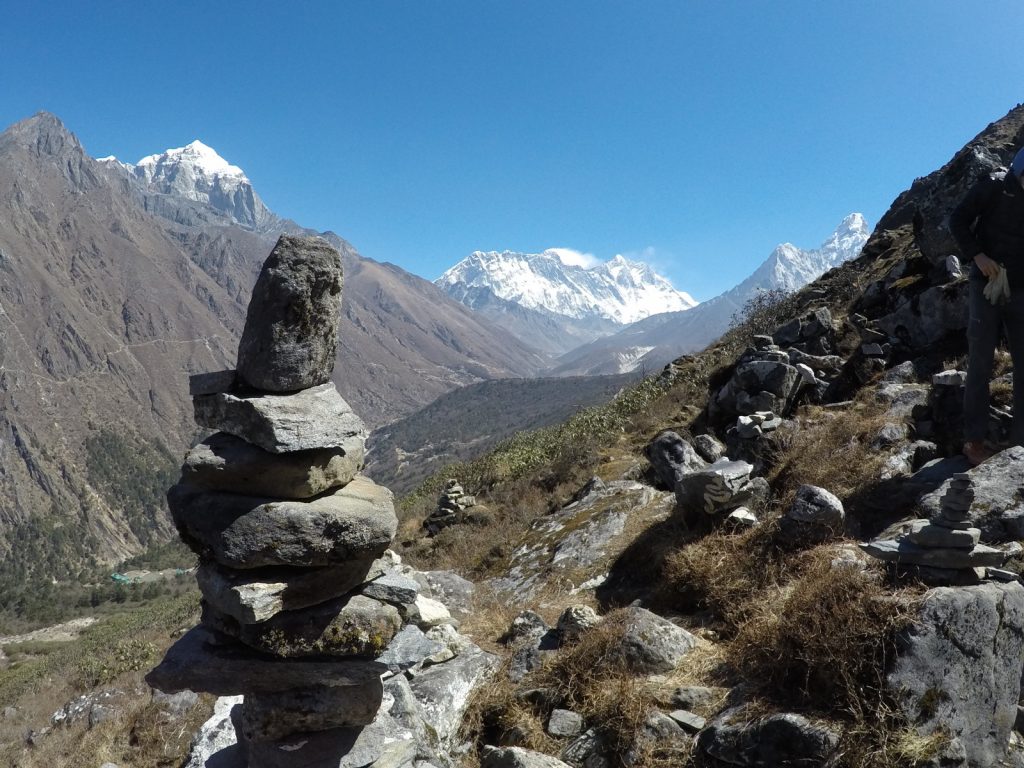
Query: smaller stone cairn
x=946, y=548
x=451, y=508
x=303, y=602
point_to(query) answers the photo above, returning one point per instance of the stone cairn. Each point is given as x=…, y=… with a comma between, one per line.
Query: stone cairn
x=451, y=508
x=946, y=548
x=300, y=593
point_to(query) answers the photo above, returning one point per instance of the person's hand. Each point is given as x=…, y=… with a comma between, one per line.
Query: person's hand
x=989, y=267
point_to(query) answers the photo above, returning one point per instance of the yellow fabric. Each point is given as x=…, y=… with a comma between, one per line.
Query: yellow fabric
x=998, y=289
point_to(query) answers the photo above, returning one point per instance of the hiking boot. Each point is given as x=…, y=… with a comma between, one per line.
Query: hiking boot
x=976, y=452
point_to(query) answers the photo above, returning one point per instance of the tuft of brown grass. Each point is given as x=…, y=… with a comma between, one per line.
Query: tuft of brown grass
x=825, y=640
x=831, y=449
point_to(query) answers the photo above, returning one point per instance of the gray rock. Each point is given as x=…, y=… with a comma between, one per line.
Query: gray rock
x=926, y=534
x=409, y=648
x=224, y=462
x=741, y=517
x=393, y=588
x=889, y=435
x=697, y=697
x=564, y=723
x=175, y=704
x=721, y=487
x=203, y=661
x=291, y=329
x=778, y=740
x=959, y=667
x=787, y=333
x=576, y=621
x=818, y=507
x=214, y=744
x=348, y=626
x=248, y=532
x=586, y=751
x=443, y=691
x=517, y=757
x=651, y=644
x=779, y=379
x=708, y=448
x=671, y=457
x=904, y=373
x=451, y=589
x=688, y=721
x=310, y=419
x=211, y=383
x=255, y=595
x=950, y=379
x=927, y=318
x=269, y=716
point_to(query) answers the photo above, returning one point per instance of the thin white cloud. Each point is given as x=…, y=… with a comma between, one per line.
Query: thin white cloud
x=574, y=258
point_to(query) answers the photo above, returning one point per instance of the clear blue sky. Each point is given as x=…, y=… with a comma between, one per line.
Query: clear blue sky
x=701, y=132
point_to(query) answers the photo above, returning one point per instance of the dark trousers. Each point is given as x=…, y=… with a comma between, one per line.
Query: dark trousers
x=983, y=329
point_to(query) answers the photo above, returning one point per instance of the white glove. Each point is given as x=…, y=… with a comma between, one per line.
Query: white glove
x=998, y=289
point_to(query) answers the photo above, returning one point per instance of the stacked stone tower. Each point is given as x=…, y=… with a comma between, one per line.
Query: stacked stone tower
x=290, y=537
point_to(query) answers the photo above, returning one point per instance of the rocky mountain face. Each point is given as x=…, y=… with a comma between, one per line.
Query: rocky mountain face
x=530, y=290
x=654, y=341
x=116, y=282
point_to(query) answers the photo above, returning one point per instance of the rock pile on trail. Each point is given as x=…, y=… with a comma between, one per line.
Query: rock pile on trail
x=946, y=548
x=304, y=606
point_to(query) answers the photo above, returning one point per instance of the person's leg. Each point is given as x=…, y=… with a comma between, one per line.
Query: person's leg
x=1013, y=318
x=983, y=326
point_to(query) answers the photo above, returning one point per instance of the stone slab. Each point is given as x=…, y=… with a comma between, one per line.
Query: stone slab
x=270, y=716
x=355, y=521
x=255, y=595
x=925, y=534
x=312, y=418
x=904, y=551
x=223, y=462
x=348, y=626
x=201, y=660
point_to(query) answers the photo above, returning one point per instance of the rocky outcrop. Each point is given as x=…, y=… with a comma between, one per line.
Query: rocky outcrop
x=959, y=667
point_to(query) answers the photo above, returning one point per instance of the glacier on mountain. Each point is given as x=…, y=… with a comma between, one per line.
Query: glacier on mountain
x=619, y=290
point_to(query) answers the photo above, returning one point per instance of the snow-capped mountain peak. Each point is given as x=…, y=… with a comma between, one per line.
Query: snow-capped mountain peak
x=197, y=172
x=198, y=157
x=554, y=281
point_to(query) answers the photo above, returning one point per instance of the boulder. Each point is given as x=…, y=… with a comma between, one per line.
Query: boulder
x=257, y=594
x=451, y=589
x=576, y=621
x=564, y=723
x=311, y=419
x=785, y=740
x=652, y=645
x=443, y=691
x=214, y=744
x=517, y=757
x=720, y=487
x=708, y=448
x=998, y=486
x=290, y=336
x=356, y=521
x=223, y=462
x=409, y=648
x=349, y=626
x=959, y=667
x=671, y=457
x=201, y=660
x=816, y=507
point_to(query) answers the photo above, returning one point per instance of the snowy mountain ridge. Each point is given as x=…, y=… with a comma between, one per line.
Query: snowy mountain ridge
x=197, y=172
x=619, y=290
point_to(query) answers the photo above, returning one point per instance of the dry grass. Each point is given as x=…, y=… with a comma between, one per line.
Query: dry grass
x=831, y=449
x=825, y=640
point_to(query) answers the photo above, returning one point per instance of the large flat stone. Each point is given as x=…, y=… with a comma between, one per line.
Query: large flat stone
x=355, y=521
x=906, y=552
x=223, y=462
x=313, y=418
x=269, y=716
x=291, y=327
x=201, y=660
x=256, y=595
x=348, y=626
